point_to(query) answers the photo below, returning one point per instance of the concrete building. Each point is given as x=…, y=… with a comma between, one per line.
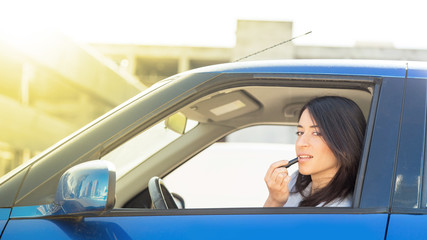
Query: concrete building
x=50, y=87
x=152, y=63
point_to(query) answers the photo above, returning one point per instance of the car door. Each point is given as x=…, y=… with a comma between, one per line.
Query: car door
x=409, y=215
x=367, y=219
x=4, y=216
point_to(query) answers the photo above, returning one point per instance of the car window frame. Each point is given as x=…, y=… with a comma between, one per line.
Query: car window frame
x=291, y=80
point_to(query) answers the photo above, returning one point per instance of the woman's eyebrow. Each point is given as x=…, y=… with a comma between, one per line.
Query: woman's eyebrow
x=313, y=126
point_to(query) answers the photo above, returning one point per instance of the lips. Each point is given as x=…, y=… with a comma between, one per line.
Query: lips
x=304, y=157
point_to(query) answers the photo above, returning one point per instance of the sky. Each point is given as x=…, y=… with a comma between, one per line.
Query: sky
x=213, y=23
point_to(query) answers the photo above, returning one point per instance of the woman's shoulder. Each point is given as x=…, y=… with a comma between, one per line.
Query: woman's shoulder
x=341, y=202
x=295, y=197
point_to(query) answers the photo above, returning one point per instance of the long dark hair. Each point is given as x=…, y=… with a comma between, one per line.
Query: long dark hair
x=342, y=125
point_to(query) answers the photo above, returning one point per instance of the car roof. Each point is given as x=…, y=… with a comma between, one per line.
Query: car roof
x=378, y=68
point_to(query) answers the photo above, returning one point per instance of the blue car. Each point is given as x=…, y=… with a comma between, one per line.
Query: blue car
x=185, y=159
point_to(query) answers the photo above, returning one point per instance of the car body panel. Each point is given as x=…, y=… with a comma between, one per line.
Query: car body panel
x=407, y=226
x=262, y=226
x=417, y=70
x=4, y=217
x=324, y=67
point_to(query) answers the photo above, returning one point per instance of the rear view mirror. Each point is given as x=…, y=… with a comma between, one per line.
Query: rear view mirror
x=176, y=122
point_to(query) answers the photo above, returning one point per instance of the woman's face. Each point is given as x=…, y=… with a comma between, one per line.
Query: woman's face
x=315, y=158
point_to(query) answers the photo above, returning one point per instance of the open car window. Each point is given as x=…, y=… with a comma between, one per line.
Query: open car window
x=230, y=172
x=236, y=134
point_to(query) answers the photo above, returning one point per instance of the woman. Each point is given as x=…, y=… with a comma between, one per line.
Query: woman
x=330, y=137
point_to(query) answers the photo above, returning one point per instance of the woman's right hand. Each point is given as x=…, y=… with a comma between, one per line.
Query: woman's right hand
x=277, y=180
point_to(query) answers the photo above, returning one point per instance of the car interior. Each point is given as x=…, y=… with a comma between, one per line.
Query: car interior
x=216, y=115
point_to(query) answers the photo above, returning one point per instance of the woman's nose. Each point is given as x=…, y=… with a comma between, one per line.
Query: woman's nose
x=302, y=141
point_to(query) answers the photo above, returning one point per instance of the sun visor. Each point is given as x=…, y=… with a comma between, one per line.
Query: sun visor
x=226, y=106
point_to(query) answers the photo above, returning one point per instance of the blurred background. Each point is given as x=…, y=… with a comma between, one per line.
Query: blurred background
x=65, y=63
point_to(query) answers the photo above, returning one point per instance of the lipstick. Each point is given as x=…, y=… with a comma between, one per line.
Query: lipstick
x=291, y=162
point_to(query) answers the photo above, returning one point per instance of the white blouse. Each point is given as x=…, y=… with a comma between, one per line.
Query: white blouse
x=295, y=198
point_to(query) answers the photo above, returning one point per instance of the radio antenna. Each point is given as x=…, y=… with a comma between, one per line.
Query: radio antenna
x=278, y=44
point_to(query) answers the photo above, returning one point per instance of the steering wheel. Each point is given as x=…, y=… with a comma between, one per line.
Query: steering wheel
x=160, y=195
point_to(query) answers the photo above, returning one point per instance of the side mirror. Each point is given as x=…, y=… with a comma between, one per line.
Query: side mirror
x=87, y=188
x=176, y=122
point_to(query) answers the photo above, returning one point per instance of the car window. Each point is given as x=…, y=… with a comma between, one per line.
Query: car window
x=230, y=173
x=226, y=173
x=131, y=153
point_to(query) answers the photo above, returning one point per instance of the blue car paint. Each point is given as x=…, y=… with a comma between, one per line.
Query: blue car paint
x=407, y=226
x=4, y=217
x=417, y=70
x=288, y=226
x=34, y=211
x=324, y=67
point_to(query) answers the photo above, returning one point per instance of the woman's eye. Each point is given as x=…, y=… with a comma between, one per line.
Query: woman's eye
x=299, y=133
x=317, y=134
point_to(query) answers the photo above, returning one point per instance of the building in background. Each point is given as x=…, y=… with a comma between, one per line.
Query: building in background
x=52, y=86
x=152, y=63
